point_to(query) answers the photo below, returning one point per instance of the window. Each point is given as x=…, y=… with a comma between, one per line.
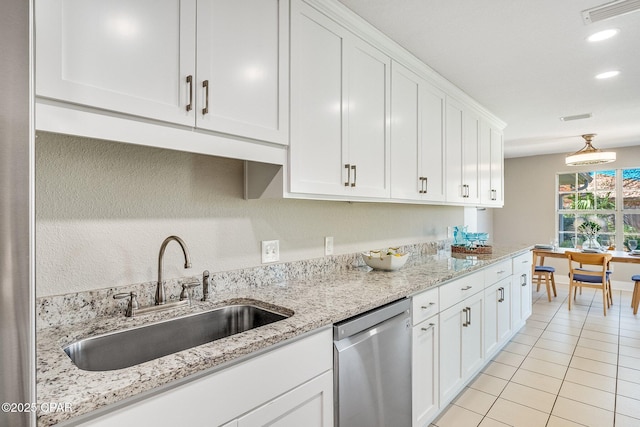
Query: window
x=608, y=198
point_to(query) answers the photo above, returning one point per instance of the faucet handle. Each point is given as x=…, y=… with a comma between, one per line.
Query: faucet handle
x=186, y=291
x=133, y=306
x=206, y=281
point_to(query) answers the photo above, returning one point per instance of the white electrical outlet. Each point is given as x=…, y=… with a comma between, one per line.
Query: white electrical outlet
x=270, y=251
x=328, y=245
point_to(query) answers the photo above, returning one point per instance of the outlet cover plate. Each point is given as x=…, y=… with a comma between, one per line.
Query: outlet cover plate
x=270, y=251
x=328, y=245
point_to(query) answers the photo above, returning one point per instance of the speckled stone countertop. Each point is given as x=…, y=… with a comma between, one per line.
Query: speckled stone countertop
x=316, y=301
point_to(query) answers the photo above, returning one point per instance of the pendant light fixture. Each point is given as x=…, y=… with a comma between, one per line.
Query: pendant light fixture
x=589, y=155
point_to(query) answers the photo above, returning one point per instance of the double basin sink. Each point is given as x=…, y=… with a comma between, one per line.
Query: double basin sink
x=129, y=347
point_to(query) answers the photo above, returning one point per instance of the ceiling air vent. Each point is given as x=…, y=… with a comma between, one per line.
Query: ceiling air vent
x=610, y=10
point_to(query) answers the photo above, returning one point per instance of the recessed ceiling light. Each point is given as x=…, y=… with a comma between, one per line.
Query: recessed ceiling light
x=603, y=35
x=607, y=75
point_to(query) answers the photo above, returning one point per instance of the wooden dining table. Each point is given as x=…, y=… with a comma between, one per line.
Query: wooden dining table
x=617, y=256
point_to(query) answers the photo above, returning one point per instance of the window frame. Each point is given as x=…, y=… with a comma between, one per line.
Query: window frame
x=619, y=236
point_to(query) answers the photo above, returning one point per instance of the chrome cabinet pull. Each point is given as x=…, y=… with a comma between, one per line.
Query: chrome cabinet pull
x=190, y=83
x=501, y=299
x=426, y=184
x=523, y=278
x=205, y=85
x=469, y=314
x=466, y=318
x=494, y=194
x=348, y=168
x=355, y=176
x=466, y=288
x=425, y=307
x=431, y=325
x=420, y=178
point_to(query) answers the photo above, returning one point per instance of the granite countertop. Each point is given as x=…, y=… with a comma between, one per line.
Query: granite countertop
x=316, y=302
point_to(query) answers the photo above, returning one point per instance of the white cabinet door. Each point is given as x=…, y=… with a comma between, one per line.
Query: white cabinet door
x=462, y=127
x=491, y=297
x=310, y=405
x=417, y=137
x=405, y=133
x=491, y=165
x=470, y=156
x=242, y=71
x=367, y=85
x=521, y=305
x=432, y=147
x=315, y=153
x=127, y=56
x=425, y=371
x=472, y=336
x=454, y=123
x=339, y=110
x=521, y=290
x=451, y=378
x=498, y=306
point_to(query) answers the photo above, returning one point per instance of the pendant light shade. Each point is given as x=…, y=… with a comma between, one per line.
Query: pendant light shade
x=589, y=155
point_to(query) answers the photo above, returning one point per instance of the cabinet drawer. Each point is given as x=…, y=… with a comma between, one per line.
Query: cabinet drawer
x=522, y=262
x=424, y=305
x=497, y=272
x=454, y=292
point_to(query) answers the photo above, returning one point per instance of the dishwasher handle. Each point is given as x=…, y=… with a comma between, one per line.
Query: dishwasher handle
x=399, y=325
x=367, y=320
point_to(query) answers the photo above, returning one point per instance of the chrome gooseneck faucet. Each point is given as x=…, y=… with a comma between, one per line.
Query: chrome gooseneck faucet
x=160, y=296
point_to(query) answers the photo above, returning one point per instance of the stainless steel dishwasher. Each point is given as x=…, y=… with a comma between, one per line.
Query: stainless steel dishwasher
x=372, y=368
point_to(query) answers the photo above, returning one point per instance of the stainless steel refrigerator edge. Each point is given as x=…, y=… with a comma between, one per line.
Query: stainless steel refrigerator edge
x=17, y=289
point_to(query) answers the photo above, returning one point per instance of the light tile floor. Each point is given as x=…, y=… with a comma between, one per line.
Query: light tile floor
x=564, y=368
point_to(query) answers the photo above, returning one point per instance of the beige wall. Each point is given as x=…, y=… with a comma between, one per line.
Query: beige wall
x=528, y=215
x=104, y=208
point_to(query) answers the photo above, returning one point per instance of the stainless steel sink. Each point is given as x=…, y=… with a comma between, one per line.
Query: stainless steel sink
x=130, y=347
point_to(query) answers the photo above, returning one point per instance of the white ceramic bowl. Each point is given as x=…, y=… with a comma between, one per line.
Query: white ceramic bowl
x=381, y=261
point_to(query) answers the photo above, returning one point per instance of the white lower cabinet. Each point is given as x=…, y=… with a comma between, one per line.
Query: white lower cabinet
x=461, y=345
x=459, y=326
x=310, y=405
x=497, y=325
x=291, y=385
x=521, y=290
x=425, y=371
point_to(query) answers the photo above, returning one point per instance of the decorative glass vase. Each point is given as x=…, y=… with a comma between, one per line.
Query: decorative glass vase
x=591, y=243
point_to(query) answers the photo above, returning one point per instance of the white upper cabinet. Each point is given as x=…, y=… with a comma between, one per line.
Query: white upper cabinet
x=138, y=57
x=367, y=88
x=417, y=137
x=242, y=72
x=127, y=56
x=491, y=165
x=339, y=110
x=315, y=150
x=462, y=136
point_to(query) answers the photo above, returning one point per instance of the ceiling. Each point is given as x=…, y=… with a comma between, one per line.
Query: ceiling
x=528, y=62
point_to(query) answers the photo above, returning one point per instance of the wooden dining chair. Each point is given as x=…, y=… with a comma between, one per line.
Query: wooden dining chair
x=635, y=299
x=546, y=272
x=596, y=276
